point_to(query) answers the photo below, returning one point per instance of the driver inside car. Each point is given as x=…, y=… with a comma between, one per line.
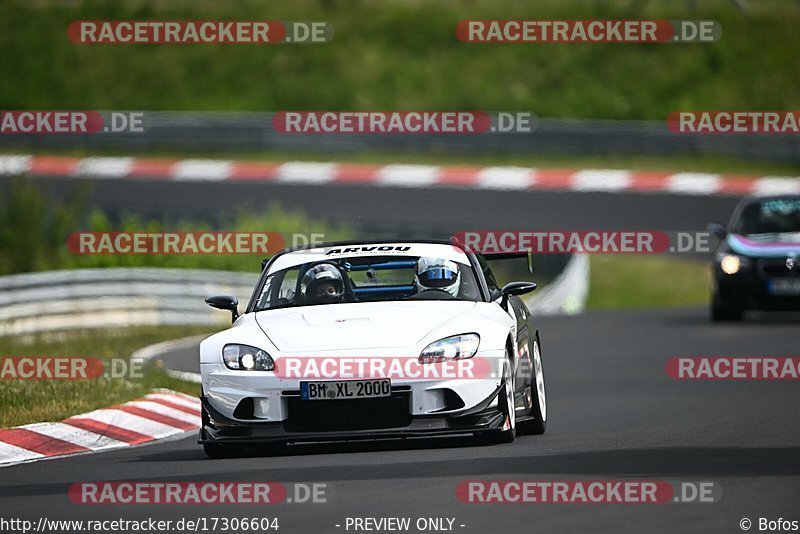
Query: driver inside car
x=437, y=274
x=322, y=284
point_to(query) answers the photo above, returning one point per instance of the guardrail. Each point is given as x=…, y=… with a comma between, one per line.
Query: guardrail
x=252, y=132
x=116, y=297
x=121, y=297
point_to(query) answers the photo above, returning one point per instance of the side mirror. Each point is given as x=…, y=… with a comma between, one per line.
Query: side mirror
x=718, y=229
x=225, y=302
x=515, y=288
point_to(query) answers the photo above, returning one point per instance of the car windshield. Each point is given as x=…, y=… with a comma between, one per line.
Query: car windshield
x=770, y=216
x=368, y=279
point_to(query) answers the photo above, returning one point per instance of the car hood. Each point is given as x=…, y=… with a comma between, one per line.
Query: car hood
x=766, y=245
x=352, y=326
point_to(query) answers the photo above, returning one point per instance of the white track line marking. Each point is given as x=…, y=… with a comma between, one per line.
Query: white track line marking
x=202, y=170
x=408, y=175
x=14, y=165
x=601, y=180
x=769, y=185
x=694, y=183
x=506, y=178
x=306, y=172
x=105, y=167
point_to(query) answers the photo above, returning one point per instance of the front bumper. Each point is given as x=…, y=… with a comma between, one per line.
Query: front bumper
x=750, y=290
x=217, y=428
x=264, y=396
x=261, y=406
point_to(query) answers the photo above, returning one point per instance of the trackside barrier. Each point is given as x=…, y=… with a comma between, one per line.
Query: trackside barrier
x=115, y=297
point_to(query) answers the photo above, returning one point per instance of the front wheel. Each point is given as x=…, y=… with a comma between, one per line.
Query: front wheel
x=505, y=403
x=217, y=450
x=538, y=422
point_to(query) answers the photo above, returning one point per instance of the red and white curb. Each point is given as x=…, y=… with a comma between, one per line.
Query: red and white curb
x=483, y=178
x=159, y=415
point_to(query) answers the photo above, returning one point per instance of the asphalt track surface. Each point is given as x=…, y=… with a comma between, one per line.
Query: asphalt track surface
x=431, y=212
x=613, y=414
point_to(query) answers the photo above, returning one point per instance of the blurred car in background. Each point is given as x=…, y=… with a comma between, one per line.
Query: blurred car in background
x=756, y=265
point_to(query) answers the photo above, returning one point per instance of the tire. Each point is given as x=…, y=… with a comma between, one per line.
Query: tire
x=720, y=312
x=538, y=424
x=505, y=401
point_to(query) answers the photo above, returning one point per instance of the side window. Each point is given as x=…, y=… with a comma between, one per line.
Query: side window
x=278, y=289
x=264, y=297
x=288, y=286
x=491, y=281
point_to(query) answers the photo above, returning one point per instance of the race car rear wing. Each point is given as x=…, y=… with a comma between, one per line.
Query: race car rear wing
x=527, y=254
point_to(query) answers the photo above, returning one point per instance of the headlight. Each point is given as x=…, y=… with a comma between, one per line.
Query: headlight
x=246, y=358
x=451, y=348
x=731, y=263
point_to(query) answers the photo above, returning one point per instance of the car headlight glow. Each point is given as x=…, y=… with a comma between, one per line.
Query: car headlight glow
x=246, y=358
x=731, y=263
x=451, y=348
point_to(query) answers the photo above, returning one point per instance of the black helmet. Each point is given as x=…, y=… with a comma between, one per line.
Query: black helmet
x=322, y=284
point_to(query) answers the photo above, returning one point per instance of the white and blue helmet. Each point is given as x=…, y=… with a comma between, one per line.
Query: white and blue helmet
x=437, y=273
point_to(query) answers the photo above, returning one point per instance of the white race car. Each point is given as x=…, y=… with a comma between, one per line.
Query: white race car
x=370, y=341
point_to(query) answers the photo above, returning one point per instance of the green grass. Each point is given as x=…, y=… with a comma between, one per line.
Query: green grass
x=641, y=281
x=29, y=401
x=403, y=54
